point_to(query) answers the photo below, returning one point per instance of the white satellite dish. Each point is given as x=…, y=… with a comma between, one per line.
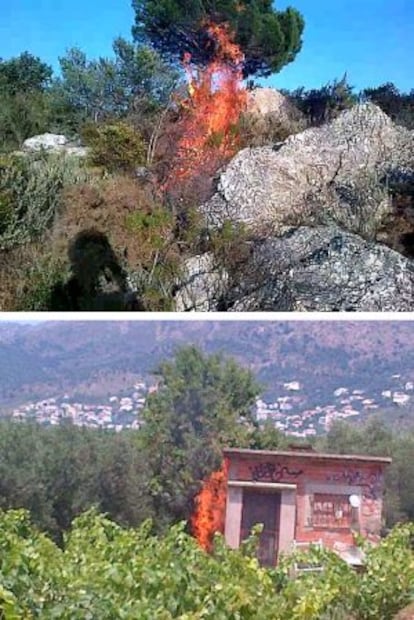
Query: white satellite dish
x=355, y=501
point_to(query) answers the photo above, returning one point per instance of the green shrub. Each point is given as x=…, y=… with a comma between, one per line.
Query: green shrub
x=106, y=571
x=30, y=193
x=157, y=262
x=36, y=283
x=115, y=146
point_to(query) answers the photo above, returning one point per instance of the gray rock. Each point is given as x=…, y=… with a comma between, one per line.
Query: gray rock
x=201, y=286
x=53, y=143
x=46, y=141
x=270, y=103
x=76, y=151
x=327, y=269
x=312, y=269
x=265, y=188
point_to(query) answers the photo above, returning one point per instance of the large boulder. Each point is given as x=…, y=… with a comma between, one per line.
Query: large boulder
x=264, y=102
x=45, y=141
x=311, y=269
x=54, y=143
x=268, y=187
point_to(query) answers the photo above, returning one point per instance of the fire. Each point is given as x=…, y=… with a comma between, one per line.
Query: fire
x=208, y=517
x=216, y=99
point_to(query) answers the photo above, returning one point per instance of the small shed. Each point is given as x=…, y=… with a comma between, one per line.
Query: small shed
x=302, y=497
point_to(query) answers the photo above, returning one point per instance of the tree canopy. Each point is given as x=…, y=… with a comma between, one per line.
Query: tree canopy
x=110, y=88
x=203, y=403
x=270, y=39
x=24, y=73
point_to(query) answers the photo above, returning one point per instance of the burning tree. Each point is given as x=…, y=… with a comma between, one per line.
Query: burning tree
x=219, y=44
x=210, y=113
x=203, y=403
x=269, y=39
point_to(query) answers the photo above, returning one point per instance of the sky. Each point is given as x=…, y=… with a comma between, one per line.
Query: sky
x=371, y=40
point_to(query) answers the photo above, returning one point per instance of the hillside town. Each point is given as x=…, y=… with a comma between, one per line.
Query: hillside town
x=291, y=410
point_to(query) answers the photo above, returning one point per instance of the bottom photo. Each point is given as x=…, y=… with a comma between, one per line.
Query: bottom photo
x=207, y=469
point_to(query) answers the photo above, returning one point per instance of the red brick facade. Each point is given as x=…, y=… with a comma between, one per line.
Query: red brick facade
x=321, y=497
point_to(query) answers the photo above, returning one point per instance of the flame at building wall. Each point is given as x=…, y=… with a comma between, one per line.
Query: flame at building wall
x=210, y=507
x=216, y=99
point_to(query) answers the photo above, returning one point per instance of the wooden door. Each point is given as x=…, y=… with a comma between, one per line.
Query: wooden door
x=262, y=507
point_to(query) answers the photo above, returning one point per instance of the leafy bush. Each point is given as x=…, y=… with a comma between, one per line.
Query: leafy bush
x=105, y=572
x=36, y=283
x=397, y=105
x=322, y=105
x=115, y=146
x=158, y=266
x=30, y=193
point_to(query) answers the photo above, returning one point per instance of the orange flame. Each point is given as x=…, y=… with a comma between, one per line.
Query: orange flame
x=216, y=100
x=209, y=514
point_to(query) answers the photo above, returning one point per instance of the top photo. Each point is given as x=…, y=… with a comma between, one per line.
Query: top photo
x=207, y=156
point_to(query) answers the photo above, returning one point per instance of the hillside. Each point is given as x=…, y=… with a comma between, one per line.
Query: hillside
x=180, y=195
x=97, y=358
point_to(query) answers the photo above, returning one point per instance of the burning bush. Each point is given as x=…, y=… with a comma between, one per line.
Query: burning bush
x=209, y=115
x=208, y=517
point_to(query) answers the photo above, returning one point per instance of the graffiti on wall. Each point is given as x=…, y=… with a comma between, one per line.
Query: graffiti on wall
x=371, y=483
x=273, y=472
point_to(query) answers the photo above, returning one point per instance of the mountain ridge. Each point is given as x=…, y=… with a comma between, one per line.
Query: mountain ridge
x=54, y=356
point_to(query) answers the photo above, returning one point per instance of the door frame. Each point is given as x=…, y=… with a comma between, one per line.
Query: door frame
x=287, y=515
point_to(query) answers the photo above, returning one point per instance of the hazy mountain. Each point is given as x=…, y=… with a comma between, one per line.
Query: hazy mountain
x=98, y=357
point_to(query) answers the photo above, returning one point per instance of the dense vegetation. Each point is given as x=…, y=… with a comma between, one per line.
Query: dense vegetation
x=105, y=571
x=320, y=105
x=269, y=39
x=101, y=233
x=74, y=562
x=203, y=404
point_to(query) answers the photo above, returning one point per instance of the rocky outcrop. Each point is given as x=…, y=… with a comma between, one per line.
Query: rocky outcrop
x=202, y=285
x=265, y=102
x=311, y=269
x=267, y=187
x=55, y=143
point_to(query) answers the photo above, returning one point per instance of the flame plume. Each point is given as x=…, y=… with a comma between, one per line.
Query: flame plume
x=216, y=100
x=209, y=514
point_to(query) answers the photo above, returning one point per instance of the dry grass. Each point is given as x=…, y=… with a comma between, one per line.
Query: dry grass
x=106, y=207
x=406, y=614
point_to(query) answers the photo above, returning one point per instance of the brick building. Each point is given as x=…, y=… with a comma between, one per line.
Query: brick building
x=302, y=496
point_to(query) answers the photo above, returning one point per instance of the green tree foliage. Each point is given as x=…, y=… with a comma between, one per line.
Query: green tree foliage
x=110, y=88
x=203, y=404
x=24, y=74
x=269, y=38
x=24, y=106
x=377, y=439
x=57, y=473
x=321, y=105
x=106, y=572
x=399, y=106
x=22, y=115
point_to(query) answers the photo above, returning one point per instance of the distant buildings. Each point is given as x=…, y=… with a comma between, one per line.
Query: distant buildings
x=293, y=409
